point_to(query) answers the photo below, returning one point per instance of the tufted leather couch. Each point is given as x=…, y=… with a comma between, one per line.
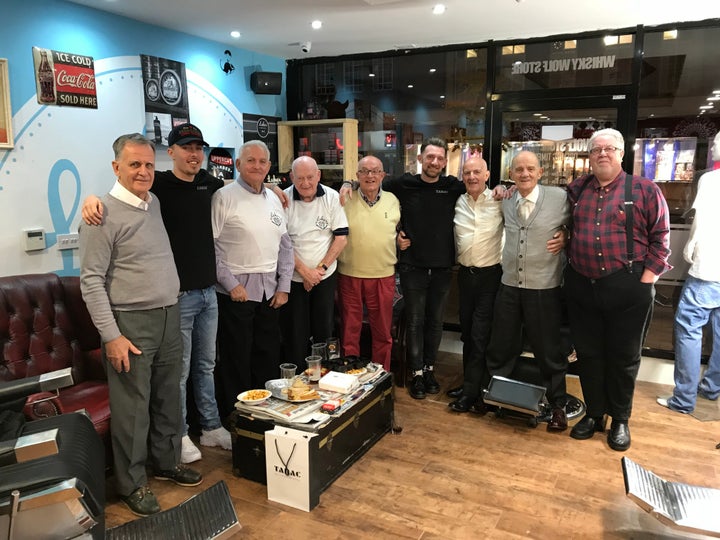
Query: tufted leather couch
x=45, y=326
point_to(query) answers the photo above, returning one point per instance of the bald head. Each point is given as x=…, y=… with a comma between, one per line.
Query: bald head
x=370, y=176
x=525, y=171
x=475, y=175
x=305, y=176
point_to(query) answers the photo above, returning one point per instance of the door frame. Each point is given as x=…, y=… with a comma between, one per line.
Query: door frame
x=500, y=104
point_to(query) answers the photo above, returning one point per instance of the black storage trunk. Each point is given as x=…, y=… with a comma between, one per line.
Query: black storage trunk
x=338, y=444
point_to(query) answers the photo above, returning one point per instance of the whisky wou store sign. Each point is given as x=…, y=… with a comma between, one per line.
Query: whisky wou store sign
x=564, y=64
x=64, y=78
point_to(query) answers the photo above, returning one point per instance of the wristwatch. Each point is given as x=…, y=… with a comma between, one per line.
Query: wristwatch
x=322, y=265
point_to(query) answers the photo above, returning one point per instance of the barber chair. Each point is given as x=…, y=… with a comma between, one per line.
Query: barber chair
x=52, y=470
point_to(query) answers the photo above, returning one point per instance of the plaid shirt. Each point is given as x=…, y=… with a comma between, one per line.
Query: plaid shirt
x=597, y=244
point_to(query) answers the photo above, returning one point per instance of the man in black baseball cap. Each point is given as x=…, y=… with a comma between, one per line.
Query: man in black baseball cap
x=184, y=134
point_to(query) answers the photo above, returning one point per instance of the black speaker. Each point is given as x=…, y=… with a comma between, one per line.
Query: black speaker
x=266, y=82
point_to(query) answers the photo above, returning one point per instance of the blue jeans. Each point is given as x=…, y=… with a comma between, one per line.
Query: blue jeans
x=699, y=303
x=198, y=326
x=425, y=291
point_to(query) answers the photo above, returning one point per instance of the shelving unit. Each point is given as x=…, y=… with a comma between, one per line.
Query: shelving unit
x=287, y=151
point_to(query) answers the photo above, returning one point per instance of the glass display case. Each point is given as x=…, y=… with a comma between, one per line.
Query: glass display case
x=666, y=159
x=562, y=161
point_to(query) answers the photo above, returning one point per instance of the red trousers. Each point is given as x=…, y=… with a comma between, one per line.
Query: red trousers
x=377, y=296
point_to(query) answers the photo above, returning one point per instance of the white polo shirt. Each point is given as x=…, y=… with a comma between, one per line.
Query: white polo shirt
x=313, y=225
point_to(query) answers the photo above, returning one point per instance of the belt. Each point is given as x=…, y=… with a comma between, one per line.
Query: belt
x=477, y=269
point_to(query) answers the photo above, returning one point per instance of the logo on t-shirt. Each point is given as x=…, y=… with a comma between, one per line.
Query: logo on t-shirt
x=275, y=218
x=322, y=223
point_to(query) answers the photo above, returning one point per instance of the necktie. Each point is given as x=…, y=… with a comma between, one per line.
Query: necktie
x=525, y=208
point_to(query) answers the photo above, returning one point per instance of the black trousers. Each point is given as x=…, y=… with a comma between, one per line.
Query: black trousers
x=537, y=312
x=477, y=288
x=608, y=322
x=248, y=349
x=307, y=314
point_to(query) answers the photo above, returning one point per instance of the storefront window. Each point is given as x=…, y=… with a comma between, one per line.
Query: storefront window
x=401, y=100
x=573, y=63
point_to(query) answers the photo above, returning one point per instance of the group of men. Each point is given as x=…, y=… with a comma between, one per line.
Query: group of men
x=240, y=256
x=514, y=276
x=174, y=262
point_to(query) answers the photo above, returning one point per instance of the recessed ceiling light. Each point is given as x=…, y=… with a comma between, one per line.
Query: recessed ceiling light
x=438, y=9
x=706, y=106
x=410, y=86
x=316, y=24
x=714, y=98
x=442, y=97
x=371, y=74
x=432, y=70
x=235, y=34
x=537, y=114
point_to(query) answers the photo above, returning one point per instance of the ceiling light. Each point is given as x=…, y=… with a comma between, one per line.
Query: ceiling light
x=432, y=70
x=410, y=86
x=610, y=40
x=316, y=25
x=371, y=74
x=235, y=34
x=714, y=98
x=706, y=106
x=716, y=91
x=537, y=114
x=442, y=97
x=438, y=9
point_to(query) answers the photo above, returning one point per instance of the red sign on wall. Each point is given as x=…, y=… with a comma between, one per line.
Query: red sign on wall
x=64, y=78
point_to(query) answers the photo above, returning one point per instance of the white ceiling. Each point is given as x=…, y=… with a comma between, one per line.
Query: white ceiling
x=358, y=26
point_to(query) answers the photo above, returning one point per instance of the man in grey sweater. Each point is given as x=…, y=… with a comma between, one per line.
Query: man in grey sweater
x=529, y=296
x=131, y=289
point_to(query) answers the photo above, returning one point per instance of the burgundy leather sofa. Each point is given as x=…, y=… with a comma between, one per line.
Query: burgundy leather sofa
x=45, y=326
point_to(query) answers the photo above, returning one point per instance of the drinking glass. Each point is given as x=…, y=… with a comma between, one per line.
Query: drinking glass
x=287, y=371
x=314, y=364
x=319, y=349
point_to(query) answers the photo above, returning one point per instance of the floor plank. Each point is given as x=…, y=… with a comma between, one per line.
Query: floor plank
x=461, y=476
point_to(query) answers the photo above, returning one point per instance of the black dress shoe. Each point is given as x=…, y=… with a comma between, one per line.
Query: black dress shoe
x=417, y=387
x=587, y=427
x=558, y=420
x=619, y=436
x=479, y=407
x=462, y=404
x=455, y=392
x=431, y=384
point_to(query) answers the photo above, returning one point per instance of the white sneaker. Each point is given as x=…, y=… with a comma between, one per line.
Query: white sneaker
x=189, y=452
x=216, y=437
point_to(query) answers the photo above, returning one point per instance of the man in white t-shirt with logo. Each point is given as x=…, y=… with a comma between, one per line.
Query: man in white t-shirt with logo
x=318, y=229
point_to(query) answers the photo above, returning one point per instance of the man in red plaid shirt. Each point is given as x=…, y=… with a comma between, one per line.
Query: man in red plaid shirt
x=609, y=285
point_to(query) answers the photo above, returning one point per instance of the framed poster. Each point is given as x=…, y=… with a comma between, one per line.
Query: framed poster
x=6, y=134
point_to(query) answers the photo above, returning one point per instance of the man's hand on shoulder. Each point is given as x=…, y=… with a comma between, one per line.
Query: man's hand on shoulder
x=346, y=192
x=92, y=210
x=118, y=352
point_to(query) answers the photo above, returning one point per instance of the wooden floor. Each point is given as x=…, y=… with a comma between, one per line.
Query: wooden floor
x=459, y=476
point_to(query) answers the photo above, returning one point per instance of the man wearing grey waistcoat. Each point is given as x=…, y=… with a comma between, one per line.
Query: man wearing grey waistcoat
x=130, y=285
x=529, y=296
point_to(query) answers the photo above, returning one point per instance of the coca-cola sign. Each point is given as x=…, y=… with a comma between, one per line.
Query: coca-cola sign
x=65, y=78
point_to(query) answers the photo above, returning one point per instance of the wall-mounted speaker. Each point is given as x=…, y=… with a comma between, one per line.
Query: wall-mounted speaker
x=266, y=82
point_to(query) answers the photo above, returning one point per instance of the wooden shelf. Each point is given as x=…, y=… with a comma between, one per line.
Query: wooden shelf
x=286, y=144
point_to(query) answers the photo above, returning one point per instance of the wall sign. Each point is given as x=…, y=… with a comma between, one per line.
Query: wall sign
x=564, y=64
x=64, y=79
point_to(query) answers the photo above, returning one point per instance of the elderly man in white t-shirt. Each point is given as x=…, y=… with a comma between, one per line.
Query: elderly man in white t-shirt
x=318, y=229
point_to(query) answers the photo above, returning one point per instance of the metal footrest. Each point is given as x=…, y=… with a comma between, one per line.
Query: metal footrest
x=207, y=515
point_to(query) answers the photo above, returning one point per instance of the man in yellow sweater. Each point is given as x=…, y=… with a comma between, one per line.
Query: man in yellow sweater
x=367, y=264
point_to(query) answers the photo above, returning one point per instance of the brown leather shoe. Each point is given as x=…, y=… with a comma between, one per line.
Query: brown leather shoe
x=558, y=420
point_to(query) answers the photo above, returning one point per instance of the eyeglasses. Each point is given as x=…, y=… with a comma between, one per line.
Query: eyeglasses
x=607, y=149
x=368, y=172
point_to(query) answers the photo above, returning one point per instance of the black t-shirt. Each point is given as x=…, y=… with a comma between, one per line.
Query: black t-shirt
x=185, y=210
x=426, y=214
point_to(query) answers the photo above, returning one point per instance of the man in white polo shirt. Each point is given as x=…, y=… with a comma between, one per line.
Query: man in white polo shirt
x=318, y=229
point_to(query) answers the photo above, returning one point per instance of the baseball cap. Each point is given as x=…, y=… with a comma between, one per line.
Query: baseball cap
x=184, y=134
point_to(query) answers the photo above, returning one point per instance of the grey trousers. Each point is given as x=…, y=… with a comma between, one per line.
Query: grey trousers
x=145, y=402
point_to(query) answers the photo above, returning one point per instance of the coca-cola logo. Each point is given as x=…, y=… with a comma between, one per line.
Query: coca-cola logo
x=85, y=81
